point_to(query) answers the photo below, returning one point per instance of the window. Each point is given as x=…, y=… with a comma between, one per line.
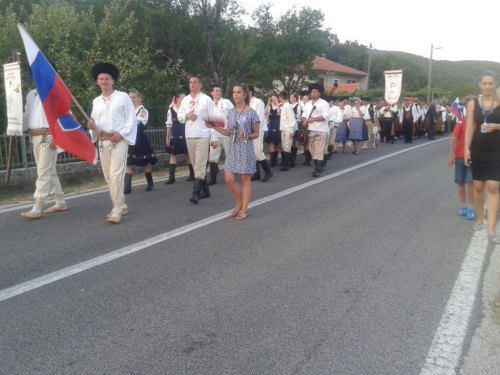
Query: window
x=351, y=81
x=336, y=81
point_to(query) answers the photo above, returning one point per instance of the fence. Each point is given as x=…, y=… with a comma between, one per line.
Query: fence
x=23, y=156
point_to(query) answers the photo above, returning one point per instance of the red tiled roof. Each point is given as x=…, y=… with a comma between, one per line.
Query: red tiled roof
x=321, y=63
x=344, y=87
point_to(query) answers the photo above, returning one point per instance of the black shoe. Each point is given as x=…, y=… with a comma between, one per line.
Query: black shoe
x=267, y=170
x=128, y=183
x=213, y=174
x=171, y=174
x=205, y=191
x=198, y=183
x=322, y=165
x=256, y=175
x=330, y=153
x=316, y=173
x=191, y=173
x=293, y=157
x=273, y=159
x=283, y=159
x=307, y=154
x=149, y=178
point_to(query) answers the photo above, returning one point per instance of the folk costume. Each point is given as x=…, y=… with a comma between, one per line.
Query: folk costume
x=258, y=144
x=297, y=110
x=273, y=132
x=358, y=131
x=288, y=125
x=334, y=121
x=178, y=144
x=140, y=154
x=386, y=118
x=47, y=181
x=198, y=138
x=113, y=114
x=222, y=107
x=317, y=130
x=408, y=117
x=432, y=117
x=369, y=118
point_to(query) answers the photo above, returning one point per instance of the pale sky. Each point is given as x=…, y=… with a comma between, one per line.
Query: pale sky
x=408, y=26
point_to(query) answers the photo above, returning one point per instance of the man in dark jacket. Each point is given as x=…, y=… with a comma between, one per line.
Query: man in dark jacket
x=431, y=112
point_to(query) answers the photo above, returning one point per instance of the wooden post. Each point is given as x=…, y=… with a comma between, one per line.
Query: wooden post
x=16, y=57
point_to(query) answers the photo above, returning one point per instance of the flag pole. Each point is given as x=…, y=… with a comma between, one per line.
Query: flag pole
x=15, y=58
x=75, y=102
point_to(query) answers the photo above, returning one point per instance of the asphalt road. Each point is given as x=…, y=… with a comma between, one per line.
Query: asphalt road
x=348, y=276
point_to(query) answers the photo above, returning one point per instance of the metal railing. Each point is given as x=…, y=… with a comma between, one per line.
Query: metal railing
x=23, y=156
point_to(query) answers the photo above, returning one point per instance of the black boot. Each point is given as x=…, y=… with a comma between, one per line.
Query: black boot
x=214, y=169
x=330, y=152
x=273, y=158
x=286, y=160
x=171, y=174
x=316, y=172
x=322, y=165
x=256, y=175
x=283, y=159
x=198, y=183
x=191, y=173
x=306, y=154
x=267, y=170
x=205, y=192
x=293, y=157
x=149, y=179
x=128, y=183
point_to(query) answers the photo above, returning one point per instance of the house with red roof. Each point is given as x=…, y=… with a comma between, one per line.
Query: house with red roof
x=348, y=79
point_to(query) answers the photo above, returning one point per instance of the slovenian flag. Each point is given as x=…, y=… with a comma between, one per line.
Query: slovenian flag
x=456, y=109
x=56, y=101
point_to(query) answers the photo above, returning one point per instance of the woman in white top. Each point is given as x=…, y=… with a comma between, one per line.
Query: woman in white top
x=141, y=154
x=357, y=126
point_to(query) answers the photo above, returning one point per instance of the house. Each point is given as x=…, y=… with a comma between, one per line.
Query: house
x=348, y=79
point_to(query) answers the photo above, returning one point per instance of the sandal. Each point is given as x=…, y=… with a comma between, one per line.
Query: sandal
x=236, y=211
x=242, y=215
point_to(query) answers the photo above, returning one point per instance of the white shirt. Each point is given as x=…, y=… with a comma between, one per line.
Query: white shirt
x=170, y=120
x=360, y=113
x=367, y=112
x=322, y=110
x=258, y=106
x=204, y=109
x=298, y=108
x=347, y=109
x=387, y=111
x=142, y=115
x=288, y=122
x=221, y=108
x=34, y=117
x=335, y=116
x=115, y=114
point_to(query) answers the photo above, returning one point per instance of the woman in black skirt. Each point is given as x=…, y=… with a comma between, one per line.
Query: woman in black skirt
x=273, y=111
x=141, y=154
x=482, y=151
x=176, y=140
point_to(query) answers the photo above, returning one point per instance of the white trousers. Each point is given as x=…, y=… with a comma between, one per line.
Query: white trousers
x=258, y=147
x=198, y=152
x=286, y=141
x=222, y=143
x=47, y=181
x=113, y=158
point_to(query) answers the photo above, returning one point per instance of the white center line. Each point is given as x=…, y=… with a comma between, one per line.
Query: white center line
x=94, y=262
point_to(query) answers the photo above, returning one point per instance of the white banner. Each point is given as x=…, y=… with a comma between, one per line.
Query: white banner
x=14, y=97
x=393, y=85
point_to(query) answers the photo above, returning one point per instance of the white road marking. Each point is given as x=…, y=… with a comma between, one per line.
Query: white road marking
x=446, y=348
x=94, y=262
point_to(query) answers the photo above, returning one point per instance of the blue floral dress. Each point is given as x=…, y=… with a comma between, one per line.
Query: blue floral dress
x=240, y=156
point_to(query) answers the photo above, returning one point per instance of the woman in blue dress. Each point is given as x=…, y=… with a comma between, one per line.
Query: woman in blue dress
x=358, y=130
x=243, y=126
x=342, y=130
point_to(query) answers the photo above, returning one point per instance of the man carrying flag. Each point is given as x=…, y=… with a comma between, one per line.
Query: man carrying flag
x=45, y=151
x=114, y=124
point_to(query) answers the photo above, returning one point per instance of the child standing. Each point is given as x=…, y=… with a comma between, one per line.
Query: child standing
x=463, y=173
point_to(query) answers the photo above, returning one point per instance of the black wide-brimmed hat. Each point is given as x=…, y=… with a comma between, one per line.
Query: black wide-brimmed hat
x=316, y=86
x=104, y=68
x=334, y=98
x=365, y=98
x=305, y=92
x=326, y=98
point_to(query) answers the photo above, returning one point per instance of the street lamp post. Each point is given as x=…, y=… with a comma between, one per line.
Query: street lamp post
x=430, y=74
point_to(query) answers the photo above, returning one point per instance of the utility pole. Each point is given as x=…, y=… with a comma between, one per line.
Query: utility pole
x=430, y=75
x=369, y=65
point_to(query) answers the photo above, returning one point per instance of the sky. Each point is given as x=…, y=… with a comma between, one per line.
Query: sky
x=407, y=26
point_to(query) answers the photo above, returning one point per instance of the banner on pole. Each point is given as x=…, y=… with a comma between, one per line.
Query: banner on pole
x=14, y=97
x=393, y=85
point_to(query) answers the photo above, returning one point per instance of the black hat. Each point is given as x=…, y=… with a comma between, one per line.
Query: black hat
x=326, y=98
x=104, y=68
x=316, y=86
x=344, y=98
x=302, y=93
x=334, y=98
x=366, y=98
